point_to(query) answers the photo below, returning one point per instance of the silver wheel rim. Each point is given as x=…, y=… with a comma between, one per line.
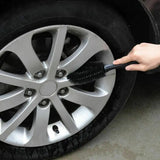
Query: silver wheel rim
x=43, y=87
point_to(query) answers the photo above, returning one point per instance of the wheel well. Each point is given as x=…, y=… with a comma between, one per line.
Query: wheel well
x=139, y=19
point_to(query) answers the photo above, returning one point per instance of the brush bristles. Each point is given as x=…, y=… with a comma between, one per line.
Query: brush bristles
x=87, y=73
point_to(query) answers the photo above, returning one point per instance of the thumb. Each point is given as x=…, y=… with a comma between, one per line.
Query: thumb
x=136, y=67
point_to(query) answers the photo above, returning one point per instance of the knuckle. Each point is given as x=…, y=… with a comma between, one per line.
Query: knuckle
x=143, y=44
x=135, y=55
x=136, y=48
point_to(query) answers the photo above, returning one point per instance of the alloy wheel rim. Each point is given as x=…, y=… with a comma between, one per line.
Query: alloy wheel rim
x=44, y=86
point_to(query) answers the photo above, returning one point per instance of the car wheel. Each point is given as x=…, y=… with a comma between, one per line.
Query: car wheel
x=42, y=114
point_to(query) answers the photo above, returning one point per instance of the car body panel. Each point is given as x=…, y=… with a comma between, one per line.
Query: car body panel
x=154, y=7
x=140, y=19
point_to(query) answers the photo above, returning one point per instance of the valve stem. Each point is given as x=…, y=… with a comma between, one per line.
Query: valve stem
x=55, y=129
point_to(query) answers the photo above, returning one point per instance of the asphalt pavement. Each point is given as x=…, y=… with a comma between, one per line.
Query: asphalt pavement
x=135, y=133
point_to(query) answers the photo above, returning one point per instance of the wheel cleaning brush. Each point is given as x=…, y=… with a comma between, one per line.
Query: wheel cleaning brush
x=93, y=71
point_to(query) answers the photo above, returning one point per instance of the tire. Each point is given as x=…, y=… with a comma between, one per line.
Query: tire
x=102, y=20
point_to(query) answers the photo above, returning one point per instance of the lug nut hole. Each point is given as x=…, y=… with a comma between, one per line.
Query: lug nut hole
x=44, y=103
x=61, y=73
x=29, y=92
x=39, y=75
x=63, y=91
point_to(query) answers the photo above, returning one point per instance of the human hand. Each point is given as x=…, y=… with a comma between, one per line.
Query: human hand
x=146, y=54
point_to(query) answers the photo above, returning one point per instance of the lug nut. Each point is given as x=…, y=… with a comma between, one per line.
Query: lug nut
x=44, y=103
x=63, y=91
x=39, y=74
x=29, y=92
x=60, y=73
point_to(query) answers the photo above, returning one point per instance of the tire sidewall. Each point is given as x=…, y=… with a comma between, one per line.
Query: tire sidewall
x=94, y=16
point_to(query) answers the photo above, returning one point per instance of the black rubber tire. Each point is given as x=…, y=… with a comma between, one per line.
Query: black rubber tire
x=95, y=16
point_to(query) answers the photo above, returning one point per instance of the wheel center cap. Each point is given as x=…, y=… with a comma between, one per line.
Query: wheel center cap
x=48, y=88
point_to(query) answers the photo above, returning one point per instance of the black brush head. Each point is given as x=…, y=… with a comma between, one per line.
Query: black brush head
x=88, y=73
x=93, y=71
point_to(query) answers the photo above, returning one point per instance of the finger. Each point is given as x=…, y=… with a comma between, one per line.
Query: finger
x=123, y=60
x=136, y=67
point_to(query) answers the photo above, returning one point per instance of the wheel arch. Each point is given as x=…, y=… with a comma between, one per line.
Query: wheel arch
x=139, y=19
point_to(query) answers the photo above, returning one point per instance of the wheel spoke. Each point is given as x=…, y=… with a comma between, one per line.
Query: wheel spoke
x=107, y=81
x=64, y=82
x=23, y=48
x=39, y=127
x=18, y=118
x=89, y=47
x=56, y=51
x=12, y=99
x=65, y=116
x=17, y=80
x=92, y=100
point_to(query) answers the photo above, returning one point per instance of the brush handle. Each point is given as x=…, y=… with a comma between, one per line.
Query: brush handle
x=119, y=66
